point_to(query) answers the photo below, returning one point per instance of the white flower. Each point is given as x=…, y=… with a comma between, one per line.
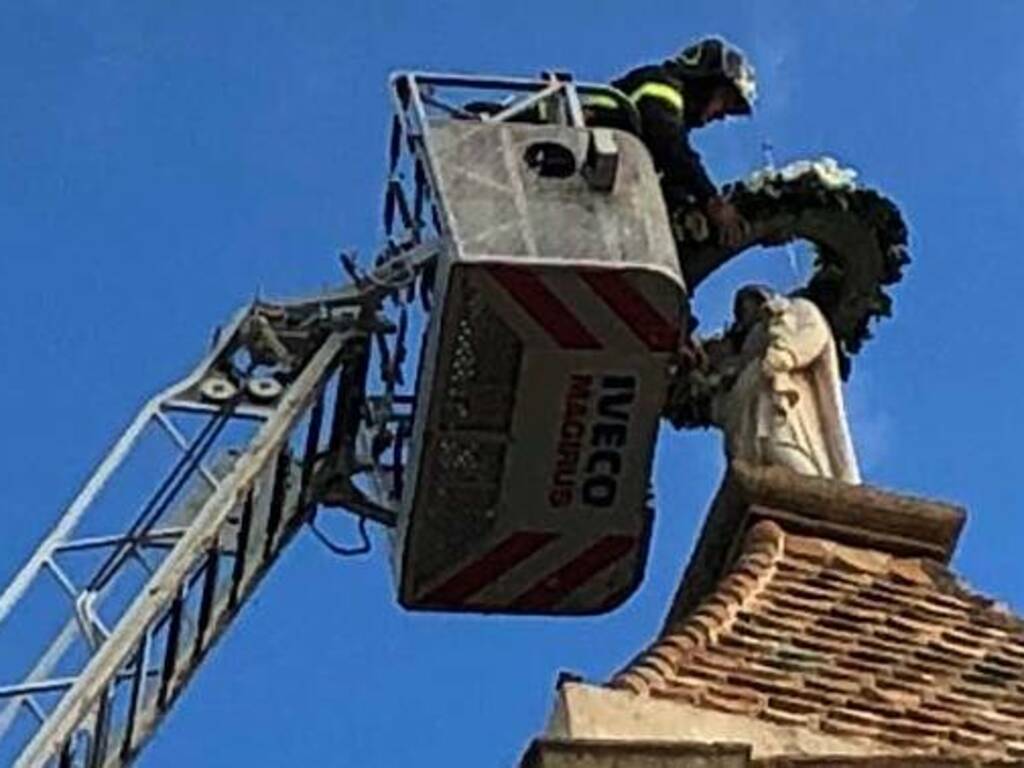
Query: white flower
x=826, y=169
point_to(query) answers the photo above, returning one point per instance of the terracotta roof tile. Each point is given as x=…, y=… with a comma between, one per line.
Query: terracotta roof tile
x=806, y=632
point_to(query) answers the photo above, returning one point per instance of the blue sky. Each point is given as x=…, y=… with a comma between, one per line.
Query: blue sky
x=160, y=163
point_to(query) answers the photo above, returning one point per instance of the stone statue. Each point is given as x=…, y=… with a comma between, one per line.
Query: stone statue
x=771, y=383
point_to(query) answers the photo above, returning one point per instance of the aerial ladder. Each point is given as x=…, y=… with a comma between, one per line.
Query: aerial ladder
x=468, y=441
x=488, y=390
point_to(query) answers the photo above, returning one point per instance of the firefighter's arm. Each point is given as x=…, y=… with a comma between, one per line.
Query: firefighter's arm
x=683, y=174
x=733, y=229
x=661, y=115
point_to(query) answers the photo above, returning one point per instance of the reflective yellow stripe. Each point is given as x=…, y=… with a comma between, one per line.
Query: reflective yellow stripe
x=658, y=91
x=600, y=100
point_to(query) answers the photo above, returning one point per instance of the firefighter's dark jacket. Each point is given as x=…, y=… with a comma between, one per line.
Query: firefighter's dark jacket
x=660, y=98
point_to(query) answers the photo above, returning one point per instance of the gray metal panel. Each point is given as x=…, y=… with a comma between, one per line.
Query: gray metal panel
x=497, y=207
x=497, y=211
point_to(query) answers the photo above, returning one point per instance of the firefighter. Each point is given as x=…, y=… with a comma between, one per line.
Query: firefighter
x=707, y=82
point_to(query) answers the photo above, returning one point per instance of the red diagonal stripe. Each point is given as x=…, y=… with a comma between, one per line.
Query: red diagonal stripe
x=633, y=308
x=478, y=574
x=547, y=592
x=549, y=311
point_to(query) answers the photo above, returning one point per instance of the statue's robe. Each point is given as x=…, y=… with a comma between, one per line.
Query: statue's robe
x=786, y=407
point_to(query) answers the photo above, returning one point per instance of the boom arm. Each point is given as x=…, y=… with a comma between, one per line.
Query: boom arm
x=247, y=445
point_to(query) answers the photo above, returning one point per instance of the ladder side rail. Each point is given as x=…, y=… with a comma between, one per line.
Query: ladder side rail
x=148, y=709
x=62, y=537
x=106, y=468
x=81, y=701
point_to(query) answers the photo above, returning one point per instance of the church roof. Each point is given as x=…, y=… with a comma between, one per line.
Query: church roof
x=815, y=627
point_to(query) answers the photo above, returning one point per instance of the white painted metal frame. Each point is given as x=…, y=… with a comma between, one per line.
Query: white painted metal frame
x=250, y=515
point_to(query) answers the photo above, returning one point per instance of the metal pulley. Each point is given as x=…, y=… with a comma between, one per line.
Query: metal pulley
x=217, y=389
x=264, y=389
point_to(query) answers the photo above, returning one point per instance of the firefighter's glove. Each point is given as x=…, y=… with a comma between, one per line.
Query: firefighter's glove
x=732, y=228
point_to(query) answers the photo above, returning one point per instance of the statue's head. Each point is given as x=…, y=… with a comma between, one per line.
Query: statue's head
x=747, y=305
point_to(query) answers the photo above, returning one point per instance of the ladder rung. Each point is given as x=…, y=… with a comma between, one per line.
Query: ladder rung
x=101, y=731
x=277, y=498
x=171, y=649
x=206, y=600
x=136, y=698
x=241, y=550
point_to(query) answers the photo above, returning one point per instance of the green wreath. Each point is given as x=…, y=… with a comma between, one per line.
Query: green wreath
x=860, y=242
x=859, y=237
